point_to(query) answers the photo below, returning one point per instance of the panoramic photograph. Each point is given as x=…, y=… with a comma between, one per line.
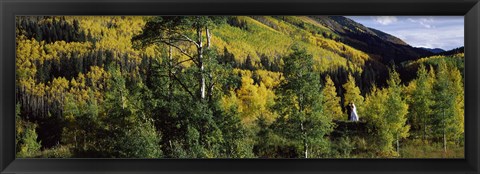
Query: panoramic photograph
x=236, y=87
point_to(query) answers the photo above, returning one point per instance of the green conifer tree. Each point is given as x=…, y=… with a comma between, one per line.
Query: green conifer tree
x=353, y=95
x=448, y=98
x=331, y=102
x=396, y=109
x=302, y=120
x=421, y=112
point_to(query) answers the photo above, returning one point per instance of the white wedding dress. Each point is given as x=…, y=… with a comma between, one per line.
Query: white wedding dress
x=354, y=115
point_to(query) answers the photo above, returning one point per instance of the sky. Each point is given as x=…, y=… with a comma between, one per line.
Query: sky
x=445, y=32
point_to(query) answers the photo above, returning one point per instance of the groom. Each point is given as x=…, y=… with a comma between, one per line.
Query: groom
x=349, y=111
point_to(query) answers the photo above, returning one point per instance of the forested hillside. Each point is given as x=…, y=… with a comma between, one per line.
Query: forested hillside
x=230, y=87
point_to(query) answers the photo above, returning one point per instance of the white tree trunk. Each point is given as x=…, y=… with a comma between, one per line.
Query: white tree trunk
x=305, y=145
x=306, y=148
x=398, y=145
x=444, y=134
x=202, y=81
x=170, y=73
x=208, y=37
x=424, y=129
x=444, y=142
x=200, y=63
x=211, y=84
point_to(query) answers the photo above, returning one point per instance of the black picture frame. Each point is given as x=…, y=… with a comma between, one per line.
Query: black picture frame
x=10, y=8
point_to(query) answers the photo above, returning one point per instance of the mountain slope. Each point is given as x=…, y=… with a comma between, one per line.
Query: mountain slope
x=433, y=50
x=268, y=37
x=454, y=57
x=379, y=44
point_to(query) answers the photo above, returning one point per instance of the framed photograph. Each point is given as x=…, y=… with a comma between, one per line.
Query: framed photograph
x=268, y=86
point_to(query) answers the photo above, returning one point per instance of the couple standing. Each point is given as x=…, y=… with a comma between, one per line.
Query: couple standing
x=352, y=112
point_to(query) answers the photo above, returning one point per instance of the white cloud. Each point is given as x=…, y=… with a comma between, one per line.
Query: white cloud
x=446, y=32
x=445, y=37
x=426, y=22
x=384, y=20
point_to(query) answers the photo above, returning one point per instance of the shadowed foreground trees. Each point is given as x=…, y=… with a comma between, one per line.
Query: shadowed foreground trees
x=301, y=119
x=448, y=106
x=186, y=91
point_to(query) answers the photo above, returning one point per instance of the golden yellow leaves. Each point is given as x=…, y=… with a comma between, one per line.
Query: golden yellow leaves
x=253, y=99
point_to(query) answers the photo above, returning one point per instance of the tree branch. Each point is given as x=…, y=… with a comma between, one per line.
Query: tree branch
x=184, y=36
x=191, y=59
x=172, y=39
x=183, y=85
x=187, y=38
x=181, y=51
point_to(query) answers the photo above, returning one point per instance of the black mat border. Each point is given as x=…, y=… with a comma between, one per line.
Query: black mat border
x=10, y=8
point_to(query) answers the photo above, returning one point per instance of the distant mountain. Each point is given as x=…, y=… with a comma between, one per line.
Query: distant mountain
x=453, y=51
x=385, y=47
x=433, y=50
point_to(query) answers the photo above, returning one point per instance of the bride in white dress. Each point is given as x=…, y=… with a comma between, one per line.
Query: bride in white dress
x=354, y=115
